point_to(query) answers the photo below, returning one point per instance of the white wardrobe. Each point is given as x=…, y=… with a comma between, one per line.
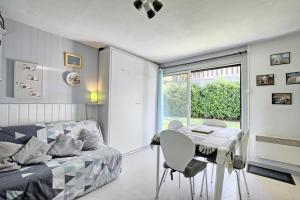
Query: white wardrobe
x=128, y=96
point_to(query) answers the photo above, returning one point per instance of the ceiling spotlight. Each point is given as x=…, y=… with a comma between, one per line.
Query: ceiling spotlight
x=148, y=5
x=157, y=5
x=138, y=4
x=150, y=12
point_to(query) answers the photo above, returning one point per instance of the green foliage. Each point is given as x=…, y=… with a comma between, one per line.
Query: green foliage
x=175, y=99
x=219, y=100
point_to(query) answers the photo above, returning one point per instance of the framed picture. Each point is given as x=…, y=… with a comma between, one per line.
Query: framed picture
x=282, y=98
x=72, y=60
x=265, y=79
x=280, y=59
x=292, y=78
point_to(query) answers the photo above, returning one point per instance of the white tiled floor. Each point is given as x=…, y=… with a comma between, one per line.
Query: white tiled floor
x=137, y=182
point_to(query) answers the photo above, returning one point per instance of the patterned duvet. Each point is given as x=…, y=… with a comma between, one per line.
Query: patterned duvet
x=62, y=178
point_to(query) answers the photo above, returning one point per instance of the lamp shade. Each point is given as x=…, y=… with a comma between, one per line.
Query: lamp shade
x=94, y=97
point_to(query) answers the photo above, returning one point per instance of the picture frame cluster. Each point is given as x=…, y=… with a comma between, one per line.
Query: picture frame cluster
x=269, y=79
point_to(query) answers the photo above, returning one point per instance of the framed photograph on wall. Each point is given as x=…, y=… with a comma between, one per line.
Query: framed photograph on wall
x=282, y=98
x=262, y=80
x=72, y=60
x=280, y=59
x=292, y=78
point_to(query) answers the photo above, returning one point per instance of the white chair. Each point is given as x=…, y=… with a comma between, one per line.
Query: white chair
x=175, y=125
x=240, y=161
x=178, y=150
x=215, y=123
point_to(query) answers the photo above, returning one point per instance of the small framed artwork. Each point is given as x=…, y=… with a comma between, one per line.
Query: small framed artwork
x=72, y=60
x=280, y=59
x=292, y=78
x=262, y=80
x=282, y=98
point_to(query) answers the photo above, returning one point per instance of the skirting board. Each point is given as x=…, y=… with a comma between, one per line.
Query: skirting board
x=137, y=150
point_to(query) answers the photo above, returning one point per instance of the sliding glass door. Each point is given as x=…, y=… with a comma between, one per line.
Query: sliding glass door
x=175, y=95
x=194, y=96
x=216, y=94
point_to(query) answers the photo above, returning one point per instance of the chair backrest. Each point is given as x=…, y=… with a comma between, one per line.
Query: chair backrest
x=215, y=122
x=178, y=149
x=245, y=141
x=175, y=125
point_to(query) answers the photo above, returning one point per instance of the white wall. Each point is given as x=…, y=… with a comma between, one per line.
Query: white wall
x=281, y=121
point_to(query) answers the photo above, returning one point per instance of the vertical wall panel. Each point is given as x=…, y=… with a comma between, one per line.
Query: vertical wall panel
x=40, y=113
x=48, y=112
x=74, y=111
x=68, y=112
x=13, y=116
x=62, y=112
x=32, y=114
x=81, y=112
x=4, y=110
x=55, y=112
x=23, y=114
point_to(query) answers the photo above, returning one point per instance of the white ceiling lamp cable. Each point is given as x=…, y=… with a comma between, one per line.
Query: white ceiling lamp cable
x=157, y=5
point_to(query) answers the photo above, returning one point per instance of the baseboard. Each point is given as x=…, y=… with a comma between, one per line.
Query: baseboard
x=136, y=150
x=274, y=165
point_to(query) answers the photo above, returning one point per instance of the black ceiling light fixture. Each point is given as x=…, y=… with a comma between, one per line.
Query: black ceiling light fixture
x=138, y=4
x=157, y=5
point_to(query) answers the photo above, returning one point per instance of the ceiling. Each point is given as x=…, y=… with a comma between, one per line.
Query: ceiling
x=181, y=29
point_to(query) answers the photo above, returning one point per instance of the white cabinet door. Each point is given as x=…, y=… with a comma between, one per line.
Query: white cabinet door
x=150, y=72
x=125, y=123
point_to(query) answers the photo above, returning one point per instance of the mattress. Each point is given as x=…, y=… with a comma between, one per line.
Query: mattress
x=62, y=178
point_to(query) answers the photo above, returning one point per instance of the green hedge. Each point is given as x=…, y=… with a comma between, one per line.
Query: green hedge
x=220, y=100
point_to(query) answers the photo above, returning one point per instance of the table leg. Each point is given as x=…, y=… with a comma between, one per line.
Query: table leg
x=219, y=181
x=157, y=167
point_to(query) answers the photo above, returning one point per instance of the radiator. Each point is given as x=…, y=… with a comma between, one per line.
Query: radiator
x=278, y=149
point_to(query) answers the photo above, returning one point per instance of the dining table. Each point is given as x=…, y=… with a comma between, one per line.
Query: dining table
x=220, y=142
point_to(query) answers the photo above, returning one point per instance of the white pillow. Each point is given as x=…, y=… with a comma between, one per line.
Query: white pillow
x=8, y=149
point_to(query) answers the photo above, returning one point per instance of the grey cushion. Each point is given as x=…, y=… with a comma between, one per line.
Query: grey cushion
x=33, y=152
x=8, y=149
x=7, y=165
x=238, y=162
x=66, y=146
x=194, y=167
x=93, y=127
x=91, y=141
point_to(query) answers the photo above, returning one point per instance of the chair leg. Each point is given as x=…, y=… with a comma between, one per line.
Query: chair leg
x=166, y=175
x=191, y=185
x=238, y=182
x=179, y=180
x=245, y=181
x=206, y=184
x=162, y=178
x=212, y=173
x=194, y=185
x=204, y=174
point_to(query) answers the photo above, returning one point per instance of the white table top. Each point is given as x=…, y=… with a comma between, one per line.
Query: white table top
x=223, y=140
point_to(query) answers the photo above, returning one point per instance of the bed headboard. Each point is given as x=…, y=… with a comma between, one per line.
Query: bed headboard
x=21, y=114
